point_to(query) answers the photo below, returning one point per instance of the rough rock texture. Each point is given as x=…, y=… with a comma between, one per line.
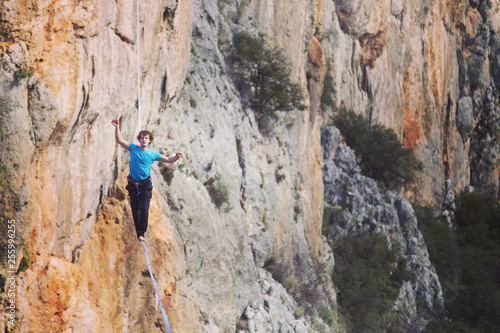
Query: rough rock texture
x=366, y=209
x=428, y=69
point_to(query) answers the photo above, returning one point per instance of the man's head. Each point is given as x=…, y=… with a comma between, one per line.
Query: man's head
x=145, y=137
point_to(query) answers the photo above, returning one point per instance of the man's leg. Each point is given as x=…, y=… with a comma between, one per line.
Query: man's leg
x=134, y=204
x=144, y=200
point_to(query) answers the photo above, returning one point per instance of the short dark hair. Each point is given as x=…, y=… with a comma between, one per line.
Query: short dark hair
x=146, y=132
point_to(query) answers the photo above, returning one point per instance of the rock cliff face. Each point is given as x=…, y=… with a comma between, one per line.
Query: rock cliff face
x=360, y=207
x=428, y=69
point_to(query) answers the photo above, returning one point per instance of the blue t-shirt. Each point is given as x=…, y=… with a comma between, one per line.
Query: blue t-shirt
x=141, y=161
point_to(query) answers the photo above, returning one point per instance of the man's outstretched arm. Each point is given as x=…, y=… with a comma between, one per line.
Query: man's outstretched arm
x=171, y=159
x=118, y=134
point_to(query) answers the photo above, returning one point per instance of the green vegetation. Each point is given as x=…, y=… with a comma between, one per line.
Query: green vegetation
x=24, y=72
x=441, y=243
x=168, y=173
x=468, y=263
x=242, y=324
x=331, y=216
x=298, y=311
x=303, y=283
x=329, y=92
x=379, y=153
x=239, y=11
x=368, y=276
x=263, y=75
x=25, y=261
x=445, y=326
x=218, y=192
x=474, y=69
x=328, y=316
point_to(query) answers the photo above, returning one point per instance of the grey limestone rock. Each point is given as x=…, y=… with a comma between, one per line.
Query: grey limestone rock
x=367, y=209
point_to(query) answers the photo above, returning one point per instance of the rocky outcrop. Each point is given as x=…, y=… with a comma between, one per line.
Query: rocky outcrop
x=362, y=208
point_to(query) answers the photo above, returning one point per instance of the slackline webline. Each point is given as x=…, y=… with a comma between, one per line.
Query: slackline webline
x=158, y=301
x=139, y=76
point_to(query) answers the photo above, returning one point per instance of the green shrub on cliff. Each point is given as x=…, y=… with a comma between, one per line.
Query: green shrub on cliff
x=24, y=72
x=25, y=260
x=478, y=223
x=329, y=92
x=218, y=192
x=441, y=242
x=379, y=152
x=368, y=276
x=467, y=261
x=263, y=75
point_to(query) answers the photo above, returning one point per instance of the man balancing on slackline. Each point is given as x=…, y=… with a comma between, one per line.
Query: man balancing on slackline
x=139, y=185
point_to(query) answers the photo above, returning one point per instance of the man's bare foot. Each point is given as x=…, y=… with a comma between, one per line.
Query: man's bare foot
x=140, y=238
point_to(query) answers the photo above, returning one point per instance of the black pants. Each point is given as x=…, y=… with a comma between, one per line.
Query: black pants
x=140, y=203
